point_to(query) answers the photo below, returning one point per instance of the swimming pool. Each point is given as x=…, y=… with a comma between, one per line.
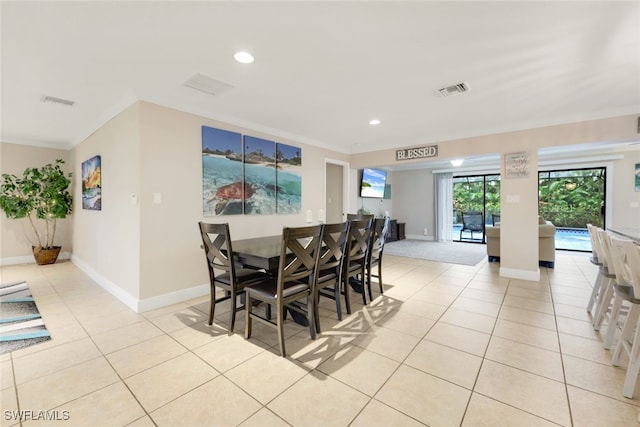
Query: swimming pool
x=573, y=239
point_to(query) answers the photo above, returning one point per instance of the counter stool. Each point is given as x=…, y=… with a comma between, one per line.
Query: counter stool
x=607, y=276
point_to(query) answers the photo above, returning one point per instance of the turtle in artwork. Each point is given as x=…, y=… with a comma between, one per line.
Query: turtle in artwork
x=231, y=192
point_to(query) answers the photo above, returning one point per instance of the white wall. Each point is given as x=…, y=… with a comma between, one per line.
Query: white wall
x=414, y=202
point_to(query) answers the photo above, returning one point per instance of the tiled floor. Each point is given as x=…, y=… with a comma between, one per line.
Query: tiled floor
x=446, y=345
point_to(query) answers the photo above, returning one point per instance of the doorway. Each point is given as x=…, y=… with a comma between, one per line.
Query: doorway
x=335, y=191
x=478, y=194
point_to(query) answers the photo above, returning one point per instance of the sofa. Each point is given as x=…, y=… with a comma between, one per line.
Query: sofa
x=546, y=243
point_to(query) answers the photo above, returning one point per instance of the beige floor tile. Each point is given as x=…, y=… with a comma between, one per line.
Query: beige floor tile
x=483, y=295
x=63, y=386
x=9, y=404
x=138, y=357
x=364, y=370
x=423, y=309
x=120, y=338
x=378, y=414
x=267, y=375
x=199, y=334
x=54, y=359
x=469, y=320
x=580, y=289
x=169, y=380
x=586, y=348
x=486, y=412
x=464, y=339
x=528, y=317
x=528, y=304
x=572, y=312
x=218, y=399
x=531, y=393
x=406, y=323
x=333, y=403
x=537, y=294
x=229, y=351
x=424, y=397
x=434, y=297
x=179, y=319
x=142, y=422
x=387, y=342
x=445, y=288
x=594, y=410
x=537, y=337
x=111, y=406
x=578, y=301
x=99, y=324
x=579, y=328
x=475, y=306
x=528, y=358
x=444, y=362
x=313, y=352
x=6, y=374
x=67, y=333
x=264, y=418
x=598, y=378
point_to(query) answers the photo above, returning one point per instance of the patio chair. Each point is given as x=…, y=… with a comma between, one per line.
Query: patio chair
x=495, y=218
x=472, y=221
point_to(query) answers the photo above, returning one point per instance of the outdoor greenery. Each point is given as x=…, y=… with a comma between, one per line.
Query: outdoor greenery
x=571, y=198
x=40, y=194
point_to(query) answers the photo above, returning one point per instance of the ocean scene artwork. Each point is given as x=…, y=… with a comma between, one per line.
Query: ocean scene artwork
x=223, y=187
x=288, y=179
x=92, y=184
x=243, y=174
x=260, y=175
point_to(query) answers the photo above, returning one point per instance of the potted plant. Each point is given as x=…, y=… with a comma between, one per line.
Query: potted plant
x=42, y=196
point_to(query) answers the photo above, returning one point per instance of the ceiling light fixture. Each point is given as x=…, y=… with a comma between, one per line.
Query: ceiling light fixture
x=243, y=57
x=457, y=162
x=374, y=122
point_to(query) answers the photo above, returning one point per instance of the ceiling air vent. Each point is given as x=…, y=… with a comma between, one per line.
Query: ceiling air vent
x=55, y=100
x=454, y=89
x=207, y=84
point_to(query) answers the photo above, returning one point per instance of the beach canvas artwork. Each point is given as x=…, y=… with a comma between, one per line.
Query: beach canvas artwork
x=223, y=187
x=92, y=184
x=288, y=179
x=259, y=176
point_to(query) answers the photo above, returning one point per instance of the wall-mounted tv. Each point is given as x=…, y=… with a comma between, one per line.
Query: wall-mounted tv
x=372, y=183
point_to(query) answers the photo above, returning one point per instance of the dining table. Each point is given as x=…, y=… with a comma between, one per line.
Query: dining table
x=259, y=252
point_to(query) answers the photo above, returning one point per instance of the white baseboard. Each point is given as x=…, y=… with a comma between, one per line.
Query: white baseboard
x=419, y=237
x=512, y=273
x=27, y=259
x=136, y=304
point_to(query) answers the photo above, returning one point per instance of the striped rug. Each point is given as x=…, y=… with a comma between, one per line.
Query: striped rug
x=20, y=321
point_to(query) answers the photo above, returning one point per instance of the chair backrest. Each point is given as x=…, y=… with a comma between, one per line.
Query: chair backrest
x=216, y=241
x=473, y=220
x=495, y=218
x=353, y=217
x=334, y=240
x=299, y=255
x=603, y=248
x=633, y=260
x=378, y=237
x=620, y=251
x=358, y=241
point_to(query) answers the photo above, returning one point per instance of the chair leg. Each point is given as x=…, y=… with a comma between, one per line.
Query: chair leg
x=316, y=312
x=280, y=320
x=594, y=293
x=634, y=366
x=613, y=322
x=627, y=334
x=347, y=298
x=233, y=308
x=248, y=305
x=604, y=300
x=380, y=275
x=311, y=318
x=212, y=309
x=337, y=295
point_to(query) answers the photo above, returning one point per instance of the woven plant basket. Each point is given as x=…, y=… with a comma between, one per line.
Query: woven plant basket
x=44, y=256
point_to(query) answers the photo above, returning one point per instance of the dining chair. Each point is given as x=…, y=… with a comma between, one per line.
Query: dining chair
x=594, y=259
x=353, y=217
x=630, y=336
x=329, y=279
x=223, y=272
x=355, y=262
x=607, y=276
x=293, y=287
x=376, y=247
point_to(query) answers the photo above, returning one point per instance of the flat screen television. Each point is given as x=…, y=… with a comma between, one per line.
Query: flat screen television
x=372, y=183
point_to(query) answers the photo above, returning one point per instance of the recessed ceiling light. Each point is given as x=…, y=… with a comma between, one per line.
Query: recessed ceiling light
x=244, y=57
x=457, y=162
x=374, y=122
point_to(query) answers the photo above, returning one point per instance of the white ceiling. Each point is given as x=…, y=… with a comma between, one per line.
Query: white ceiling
x=322, y=69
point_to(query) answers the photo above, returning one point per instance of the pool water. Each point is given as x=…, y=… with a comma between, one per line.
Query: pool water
x=574, y=239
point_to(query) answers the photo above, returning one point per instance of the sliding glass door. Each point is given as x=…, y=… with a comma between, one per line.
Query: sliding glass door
x=474, y=196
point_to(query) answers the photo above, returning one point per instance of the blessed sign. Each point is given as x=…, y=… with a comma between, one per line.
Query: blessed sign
x=516, y=165
x=417, y=153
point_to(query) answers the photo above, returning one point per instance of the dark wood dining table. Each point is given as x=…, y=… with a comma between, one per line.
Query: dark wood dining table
x=259, y=252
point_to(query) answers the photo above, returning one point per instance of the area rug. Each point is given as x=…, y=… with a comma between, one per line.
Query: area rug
x=20, y=322
x=451, y=252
